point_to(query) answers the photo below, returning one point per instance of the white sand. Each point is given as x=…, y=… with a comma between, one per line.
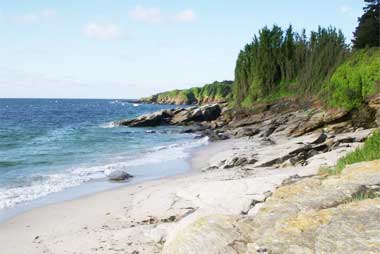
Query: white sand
x=137, y=219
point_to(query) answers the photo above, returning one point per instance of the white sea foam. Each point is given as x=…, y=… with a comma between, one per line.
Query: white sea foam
x=52, y=183
x=108, y=125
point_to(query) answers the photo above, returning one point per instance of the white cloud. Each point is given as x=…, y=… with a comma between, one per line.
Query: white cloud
x=155, y=15
x=48, y=13
x=102, y=31
x=148, y=15
x=186, y=16
x=35, y=16
x=347, y=10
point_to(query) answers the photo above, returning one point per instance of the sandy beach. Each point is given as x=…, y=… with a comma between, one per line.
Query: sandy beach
x=141, y=218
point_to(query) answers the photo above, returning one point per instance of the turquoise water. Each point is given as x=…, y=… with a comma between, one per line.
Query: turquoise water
x=50, y=145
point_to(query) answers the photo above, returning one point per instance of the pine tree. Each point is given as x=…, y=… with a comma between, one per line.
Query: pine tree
x=367, y=34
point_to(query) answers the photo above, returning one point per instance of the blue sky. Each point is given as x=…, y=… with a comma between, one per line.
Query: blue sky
x=129, y=49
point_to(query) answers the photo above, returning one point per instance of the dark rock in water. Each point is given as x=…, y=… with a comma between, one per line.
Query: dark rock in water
x=150, y=131
x=149, y=120
x=119, y=176
x=194, y=129
x=187, y=131
x=181, y=116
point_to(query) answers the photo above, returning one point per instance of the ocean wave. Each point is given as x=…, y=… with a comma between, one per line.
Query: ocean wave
x=42, y=185
x=108, y=125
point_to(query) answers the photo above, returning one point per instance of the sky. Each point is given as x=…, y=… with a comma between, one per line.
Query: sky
x=131, y=49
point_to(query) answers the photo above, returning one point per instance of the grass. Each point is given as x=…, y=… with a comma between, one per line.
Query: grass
x=368, y=152
x=363, y=196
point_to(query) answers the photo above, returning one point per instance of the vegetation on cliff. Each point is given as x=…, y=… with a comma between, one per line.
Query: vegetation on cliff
x=279, y=63
x=283, y=62
x=209, y=93
x=355, y=80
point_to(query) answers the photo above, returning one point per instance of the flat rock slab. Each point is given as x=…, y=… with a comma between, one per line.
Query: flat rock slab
x=313, y=215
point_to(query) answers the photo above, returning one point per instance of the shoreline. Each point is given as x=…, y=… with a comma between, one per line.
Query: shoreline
x=139, y=218
x=95, y=187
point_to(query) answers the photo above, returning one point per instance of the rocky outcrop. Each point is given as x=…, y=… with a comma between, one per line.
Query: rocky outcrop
x=178, y=116
x=335, y=214
x=287, y=117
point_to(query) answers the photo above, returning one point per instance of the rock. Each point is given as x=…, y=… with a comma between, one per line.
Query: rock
x=249, y=120
x=210, y=112
x=245, y=132
x=217, y=234
x=374, y=101
x=269, y=130
x=267, y=142
x=298, y=156
x=377, y=118
x=299, y=215
x=235, y=162
x=317, y=120
x=149, y=120
x=180, y=116
x=197, y=114
x=194, y=129
x=322, y=138
x=119, y=175
x=339, y=127
x=213, y=135
x=335, y=214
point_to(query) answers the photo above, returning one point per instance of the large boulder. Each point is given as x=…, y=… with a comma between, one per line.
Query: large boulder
x=149, y=120
x=196, y=115
x=210, y=112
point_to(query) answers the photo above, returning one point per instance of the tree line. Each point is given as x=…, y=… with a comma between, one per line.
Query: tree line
x=279, y=62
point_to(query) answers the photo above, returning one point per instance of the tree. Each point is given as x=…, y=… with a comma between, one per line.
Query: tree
x=367, y=34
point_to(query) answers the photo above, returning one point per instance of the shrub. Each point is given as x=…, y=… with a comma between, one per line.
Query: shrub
x=356, y=79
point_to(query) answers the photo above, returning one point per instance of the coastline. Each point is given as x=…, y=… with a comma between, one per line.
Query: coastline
x=172, y=168
x=139, y=218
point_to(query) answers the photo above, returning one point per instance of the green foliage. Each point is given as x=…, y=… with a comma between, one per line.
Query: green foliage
x=326, y=50
x=368, y=152
x=278, y=63
x=356, y=79
x=367, y=34
x=215, y=92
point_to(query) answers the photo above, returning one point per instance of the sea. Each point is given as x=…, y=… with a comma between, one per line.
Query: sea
x=53, y=150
